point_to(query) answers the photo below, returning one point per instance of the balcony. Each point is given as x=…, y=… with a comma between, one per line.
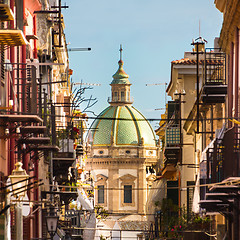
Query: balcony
x=223, y=157
x=172, y=145
x=65, y=158
x=214, y=89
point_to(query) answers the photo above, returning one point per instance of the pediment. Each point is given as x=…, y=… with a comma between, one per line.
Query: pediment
x=101, y=177
x=127, y=177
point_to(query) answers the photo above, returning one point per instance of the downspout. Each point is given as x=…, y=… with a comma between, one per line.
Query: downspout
x=236, y=201
x=179, y=191
x=24, y=75
x=36, y=193
x=236, y=74
x=36, y=198
x=230, y=85
x=8, y=218
x=35, y=33
x=11, y=88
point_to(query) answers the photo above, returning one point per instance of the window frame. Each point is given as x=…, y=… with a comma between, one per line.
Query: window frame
x=102, y=189
x=128, y=179
x=126, y=191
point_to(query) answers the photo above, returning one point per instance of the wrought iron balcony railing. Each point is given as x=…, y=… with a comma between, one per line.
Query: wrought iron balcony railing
x=172, y=137
x=214, y=87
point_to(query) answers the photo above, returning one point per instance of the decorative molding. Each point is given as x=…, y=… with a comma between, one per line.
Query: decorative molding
x=102, y=181
x=128, y=179
x=230, y=23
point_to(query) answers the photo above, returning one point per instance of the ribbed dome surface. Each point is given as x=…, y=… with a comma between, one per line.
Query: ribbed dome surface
x=122, y=125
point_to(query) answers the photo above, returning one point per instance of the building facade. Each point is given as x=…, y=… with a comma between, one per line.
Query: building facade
x=123, y=149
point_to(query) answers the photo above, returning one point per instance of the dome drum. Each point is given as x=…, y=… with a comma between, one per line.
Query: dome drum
x=125, y=152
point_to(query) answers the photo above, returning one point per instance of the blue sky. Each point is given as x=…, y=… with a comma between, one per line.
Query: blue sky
x=152, y=32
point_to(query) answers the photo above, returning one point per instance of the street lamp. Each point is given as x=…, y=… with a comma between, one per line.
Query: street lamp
x=52, y=222
x=19, y=183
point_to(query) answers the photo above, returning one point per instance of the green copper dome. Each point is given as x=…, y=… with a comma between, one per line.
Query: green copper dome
x=122, y=125
x=120, y=77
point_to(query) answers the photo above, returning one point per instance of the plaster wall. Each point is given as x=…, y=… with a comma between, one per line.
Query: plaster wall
x=123, y=172
x=190, y=97
x=101, y=171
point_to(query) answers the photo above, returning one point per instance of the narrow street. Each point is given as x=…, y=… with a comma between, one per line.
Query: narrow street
x=119, y=120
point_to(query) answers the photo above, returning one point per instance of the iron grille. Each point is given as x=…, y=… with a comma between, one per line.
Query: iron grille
x=172, y=136
x=214, y=67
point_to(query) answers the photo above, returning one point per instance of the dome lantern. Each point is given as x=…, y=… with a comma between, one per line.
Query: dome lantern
x=120, y=85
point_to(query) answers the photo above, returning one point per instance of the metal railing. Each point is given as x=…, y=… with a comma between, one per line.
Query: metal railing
x=214, y=67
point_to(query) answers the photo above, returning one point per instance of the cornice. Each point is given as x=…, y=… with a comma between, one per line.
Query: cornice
x=230, y=22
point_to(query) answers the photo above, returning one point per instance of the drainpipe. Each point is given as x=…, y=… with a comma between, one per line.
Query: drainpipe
x=24, y=75
x=236, y=74
x=35, y=33
x=12, y=60
x=7, y=222
x=36, y=198
x=179, y=191
x=230, y=85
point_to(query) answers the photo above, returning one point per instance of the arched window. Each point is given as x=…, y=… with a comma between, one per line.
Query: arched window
x=115, y=96
x=122, y=96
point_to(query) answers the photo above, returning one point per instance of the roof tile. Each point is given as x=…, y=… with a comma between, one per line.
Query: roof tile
x=187, y=61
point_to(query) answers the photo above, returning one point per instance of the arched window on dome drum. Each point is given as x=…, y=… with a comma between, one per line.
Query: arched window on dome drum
x=127, y=193
x=115, y=97
x=122, y=96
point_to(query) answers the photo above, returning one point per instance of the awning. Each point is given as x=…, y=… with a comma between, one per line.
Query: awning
x=6, y=13
x=12, y=37
x=201, y=174
x=33, y=129
x=20, y=118
x=44, y=148
x=169, y=171
x=35, y=140
x=83, y=199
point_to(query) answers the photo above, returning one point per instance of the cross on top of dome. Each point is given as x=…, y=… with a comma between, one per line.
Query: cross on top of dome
x=120, y=77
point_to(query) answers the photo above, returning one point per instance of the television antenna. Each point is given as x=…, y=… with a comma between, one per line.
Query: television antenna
x=157, y=84
x=88, y=84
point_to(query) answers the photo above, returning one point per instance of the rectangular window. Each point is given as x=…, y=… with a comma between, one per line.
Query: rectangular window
x=127, y=193
x=172, y=191
x=100, y=193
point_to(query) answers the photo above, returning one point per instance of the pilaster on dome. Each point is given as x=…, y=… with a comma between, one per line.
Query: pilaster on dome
x=120, y=77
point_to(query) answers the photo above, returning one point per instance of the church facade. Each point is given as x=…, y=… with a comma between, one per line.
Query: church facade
x=123, y=146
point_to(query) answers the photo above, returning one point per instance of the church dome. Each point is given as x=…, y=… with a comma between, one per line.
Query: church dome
x=122, y=126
